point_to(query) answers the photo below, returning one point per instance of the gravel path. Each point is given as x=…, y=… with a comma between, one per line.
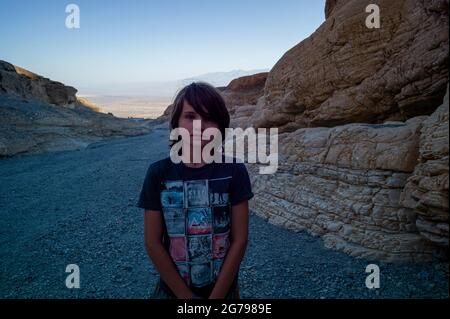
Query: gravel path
x=79, y=207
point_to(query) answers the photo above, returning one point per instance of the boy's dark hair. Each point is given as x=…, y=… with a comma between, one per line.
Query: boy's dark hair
x=206, y=100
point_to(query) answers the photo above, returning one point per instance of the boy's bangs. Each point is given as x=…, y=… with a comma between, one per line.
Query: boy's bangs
x=201, y=102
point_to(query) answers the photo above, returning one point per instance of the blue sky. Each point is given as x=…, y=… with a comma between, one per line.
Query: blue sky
x=135, y=41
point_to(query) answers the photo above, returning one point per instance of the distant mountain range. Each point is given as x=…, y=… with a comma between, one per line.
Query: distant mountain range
x=164, y=88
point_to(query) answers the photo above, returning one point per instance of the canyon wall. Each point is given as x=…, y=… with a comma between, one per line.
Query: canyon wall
x=363, y=144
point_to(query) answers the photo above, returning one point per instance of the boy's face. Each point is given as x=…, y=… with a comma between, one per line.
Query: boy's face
x=188, y=115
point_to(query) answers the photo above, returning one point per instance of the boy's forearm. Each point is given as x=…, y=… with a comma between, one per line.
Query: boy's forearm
x=168, y=271
x=229, y=270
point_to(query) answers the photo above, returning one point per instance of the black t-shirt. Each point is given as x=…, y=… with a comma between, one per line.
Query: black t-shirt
x=196, y=205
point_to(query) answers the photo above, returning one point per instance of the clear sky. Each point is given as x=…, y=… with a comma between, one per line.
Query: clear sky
x=135, y=41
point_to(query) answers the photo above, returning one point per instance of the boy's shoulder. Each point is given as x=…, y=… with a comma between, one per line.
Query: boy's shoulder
x=162, y=163
x=233, y=161
x=158, y=166
x=234, y=165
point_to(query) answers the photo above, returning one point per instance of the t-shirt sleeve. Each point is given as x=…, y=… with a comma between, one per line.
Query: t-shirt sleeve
x=149, y=197
x=241, y=188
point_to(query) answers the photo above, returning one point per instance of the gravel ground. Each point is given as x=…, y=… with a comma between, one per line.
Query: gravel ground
x=79, y=207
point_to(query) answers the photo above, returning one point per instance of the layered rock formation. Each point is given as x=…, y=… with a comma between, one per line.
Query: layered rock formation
x=346, y=184
x=39, y=115
x=426, y=190
x=362, y=163
x=345, y=72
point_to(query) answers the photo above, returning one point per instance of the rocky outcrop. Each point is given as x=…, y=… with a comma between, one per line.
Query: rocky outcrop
x=426, y=191
x=245, y=90
x=39, y=115
x=241, y=97
x=345, y=184
x=345, y=72
x=25, y=84
x=363, y=149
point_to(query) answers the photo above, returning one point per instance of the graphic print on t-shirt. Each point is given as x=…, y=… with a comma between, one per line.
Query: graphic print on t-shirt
x=196, y=193
x=198, y=220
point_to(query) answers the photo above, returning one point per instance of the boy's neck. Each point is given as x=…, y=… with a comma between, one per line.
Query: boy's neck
x=195, y=165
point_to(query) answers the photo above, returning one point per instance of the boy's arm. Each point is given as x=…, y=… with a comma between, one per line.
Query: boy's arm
x=239, y=236
x=153, y=231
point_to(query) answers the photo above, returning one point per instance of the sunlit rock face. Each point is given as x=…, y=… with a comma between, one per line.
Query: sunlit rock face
x=349, y=183
x=345, y=72
x=363, y=144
